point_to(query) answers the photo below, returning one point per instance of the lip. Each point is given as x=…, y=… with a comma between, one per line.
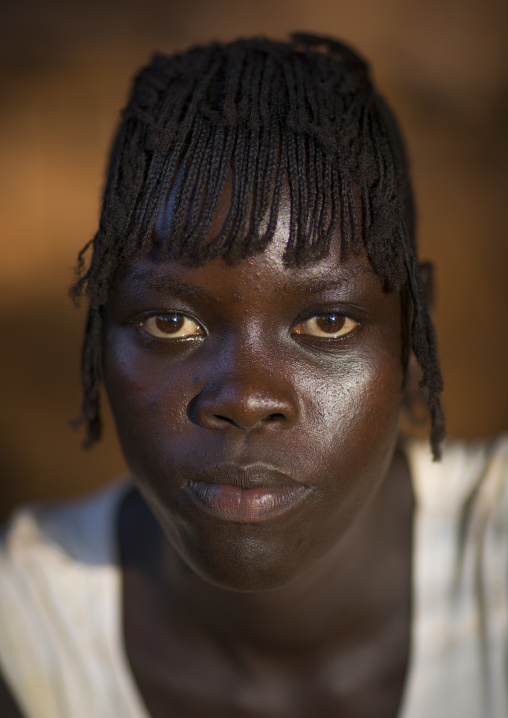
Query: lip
x=245, y=494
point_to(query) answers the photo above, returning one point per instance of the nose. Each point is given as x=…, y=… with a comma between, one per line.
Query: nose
x=248, y=397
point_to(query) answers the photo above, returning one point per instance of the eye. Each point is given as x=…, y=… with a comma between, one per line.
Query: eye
x=329, y=326
x=171, y=326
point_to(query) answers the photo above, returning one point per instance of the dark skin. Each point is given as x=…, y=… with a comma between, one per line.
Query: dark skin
x=274, y=655
x=305, y=613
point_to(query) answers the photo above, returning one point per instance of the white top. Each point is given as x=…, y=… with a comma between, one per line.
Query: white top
x=61, y=644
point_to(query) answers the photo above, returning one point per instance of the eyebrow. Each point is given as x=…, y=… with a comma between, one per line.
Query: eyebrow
x=332, y=281
x=162, y=284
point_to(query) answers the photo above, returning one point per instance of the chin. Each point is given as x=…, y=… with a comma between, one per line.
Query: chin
x=244, y=566
x=247, y=581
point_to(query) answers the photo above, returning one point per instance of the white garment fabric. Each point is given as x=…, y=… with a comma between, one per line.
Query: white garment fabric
x=61, y=644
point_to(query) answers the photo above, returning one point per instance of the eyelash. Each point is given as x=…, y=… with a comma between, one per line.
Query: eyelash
x=201, y=333
x=349, y=324
x=173, y=315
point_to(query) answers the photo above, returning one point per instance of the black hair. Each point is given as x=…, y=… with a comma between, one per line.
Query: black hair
x=263, y=113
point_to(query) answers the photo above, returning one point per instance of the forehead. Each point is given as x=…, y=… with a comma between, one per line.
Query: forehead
x=264, y=274
x=268, y=263
x=263, y=277
x=262, y=282
x=225, y=209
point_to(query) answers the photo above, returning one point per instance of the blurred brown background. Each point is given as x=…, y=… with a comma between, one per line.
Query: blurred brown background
x=65, y=71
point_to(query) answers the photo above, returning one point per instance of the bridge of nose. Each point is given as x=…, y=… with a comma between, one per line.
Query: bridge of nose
x=246, y=387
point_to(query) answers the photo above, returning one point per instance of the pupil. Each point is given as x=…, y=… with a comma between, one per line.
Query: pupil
x=330, y=323
x=169, y=324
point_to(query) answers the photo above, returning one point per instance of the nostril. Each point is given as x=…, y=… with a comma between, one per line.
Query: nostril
x=269, y=418
x=224, y=418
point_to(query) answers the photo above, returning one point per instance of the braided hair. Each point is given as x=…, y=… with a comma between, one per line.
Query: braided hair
x=262, y=113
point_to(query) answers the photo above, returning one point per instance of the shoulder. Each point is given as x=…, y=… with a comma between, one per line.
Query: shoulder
x=57, y=577
x=468, y=472
x=47, y=548
x=460, y=579
x=74, y=531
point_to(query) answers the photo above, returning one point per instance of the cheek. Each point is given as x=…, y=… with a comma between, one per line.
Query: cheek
x=148, y=398
x=358, y=398
x=355, y=417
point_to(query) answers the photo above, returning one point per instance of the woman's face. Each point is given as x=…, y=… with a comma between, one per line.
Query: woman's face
x=257, y=405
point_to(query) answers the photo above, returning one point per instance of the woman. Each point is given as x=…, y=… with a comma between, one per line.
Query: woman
x=254, y=303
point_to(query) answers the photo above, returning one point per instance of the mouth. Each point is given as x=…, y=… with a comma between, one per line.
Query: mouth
x=245, y=494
